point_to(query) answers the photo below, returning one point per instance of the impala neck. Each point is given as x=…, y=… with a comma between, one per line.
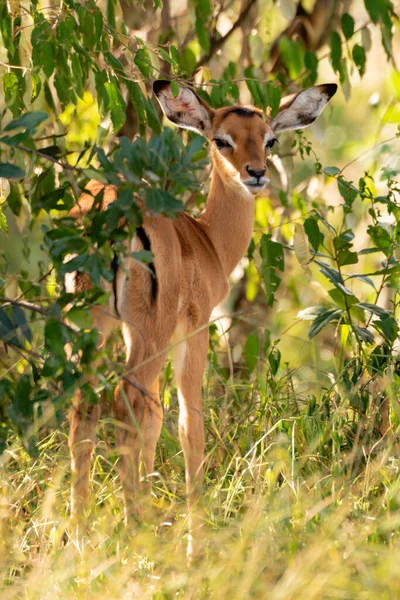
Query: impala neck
x=228, y=216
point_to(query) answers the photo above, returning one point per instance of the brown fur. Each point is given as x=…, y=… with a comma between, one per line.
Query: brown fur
x=193, y=259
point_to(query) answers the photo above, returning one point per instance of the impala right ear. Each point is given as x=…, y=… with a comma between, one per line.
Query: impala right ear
x=187, y=110
x=300, y=110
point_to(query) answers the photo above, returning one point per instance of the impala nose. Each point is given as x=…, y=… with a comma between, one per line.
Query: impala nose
x=256, y=174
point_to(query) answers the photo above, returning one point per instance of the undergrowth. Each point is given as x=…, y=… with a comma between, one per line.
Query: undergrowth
x=301, y=499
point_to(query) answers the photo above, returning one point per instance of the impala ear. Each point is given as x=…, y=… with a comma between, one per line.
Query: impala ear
x=187, y=110
x=300, y=110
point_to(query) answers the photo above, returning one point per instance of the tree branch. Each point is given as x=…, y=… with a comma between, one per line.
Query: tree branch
x=312, y=29
x=216, y=44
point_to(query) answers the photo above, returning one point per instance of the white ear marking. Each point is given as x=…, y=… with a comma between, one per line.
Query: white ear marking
x=186, y=110
x=300, y=110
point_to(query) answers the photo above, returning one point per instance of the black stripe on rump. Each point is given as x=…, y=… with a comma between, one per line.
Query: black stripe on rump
x=144, y=238
x=114, y=266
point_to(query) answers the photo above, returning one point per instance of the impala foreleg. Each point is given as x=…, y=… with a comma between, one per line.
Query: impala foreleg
x=190, y=357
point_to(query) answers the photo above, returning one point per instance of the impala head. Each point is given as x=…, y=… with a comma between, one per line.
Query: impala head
x=242, y=135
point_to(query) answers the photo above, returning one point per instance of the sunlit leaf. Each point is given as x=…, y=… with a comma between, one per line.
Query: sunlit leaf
x=272, y=261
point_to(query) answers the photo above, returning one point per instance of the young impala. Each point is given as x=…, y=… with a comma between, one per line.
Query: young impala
x=173, y=300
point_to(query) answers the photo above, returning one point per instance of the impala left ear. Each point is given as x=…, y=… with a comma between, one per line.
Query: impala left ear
x=186, y=110
x=300, y=110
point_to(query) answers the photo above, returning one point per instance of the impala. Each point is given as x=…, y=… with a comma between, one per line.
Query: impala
x=172, y=301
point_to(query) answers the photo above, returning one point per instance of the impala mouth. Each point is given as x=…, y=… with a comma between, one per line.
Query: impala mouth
x=255, y=185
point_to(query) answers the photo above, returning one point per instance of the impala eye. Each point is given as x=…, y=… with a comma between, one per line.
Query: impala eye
x=221, y=144
x=270, y=143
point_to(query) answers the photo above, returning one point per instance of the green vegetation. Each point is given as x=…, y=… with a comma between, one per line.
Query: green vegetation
x=302, y=495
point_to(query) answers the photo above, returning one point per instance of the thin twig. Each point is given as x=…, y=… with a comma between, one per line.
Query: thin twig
x=216, y=44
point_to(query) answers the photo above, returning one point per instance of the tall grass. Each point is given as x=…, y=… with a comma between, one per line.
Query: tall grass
x=301, y=500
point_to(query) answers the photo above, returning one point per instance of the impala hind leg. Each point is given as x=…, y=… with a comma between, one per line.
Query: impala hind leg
x=139, y=416
x=84, y=418
x=189, y=360
x=151, y=429
x=83, y=422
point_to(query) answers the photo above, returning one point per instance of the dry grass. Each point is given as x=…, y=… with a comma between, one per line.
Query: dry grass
x=287, y=513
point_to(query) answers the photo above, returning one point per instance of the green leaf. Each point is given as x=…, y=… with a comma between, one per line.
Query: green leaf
x=47, y=58
x=334, y=277
x=158, y=201
x=274, y=359
x=359, y=58
x=252, y=352
x=80, y=316
x=347, y=257
x=320, y=321
x=373, y=9
x=9, y=171
x=174, y=53
x=29, y=120
x=13, y=93
x=388, y=327
x=87, y=26
x=110, y=13
x=387, y=35
x=311, y=64
x=57, y=199
x=348, y=192
x=187, y=60
x=49, y=97
x=336, y=52
x=143, y=256
x=363, y=278
x=36, y=86
x=22, y=403
x=272, y=260
x=166, y=56
x=331, y=171
x=374, y=309
x=313, y=233
x=20, y=321
x=273, y=98
x=174, y=88
x=138, y=101
x=14, y=199
x=381, y=237
x=78, y=75
x=202, y=33
x=53, y=337
x=292, y=53
x=152, y=118
x=116, y=105
x=256, y=90
x=347, y=23
x=310, y=313
x=364, y=334
x=143, y=62
x=8, y=330
x=340, y=299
